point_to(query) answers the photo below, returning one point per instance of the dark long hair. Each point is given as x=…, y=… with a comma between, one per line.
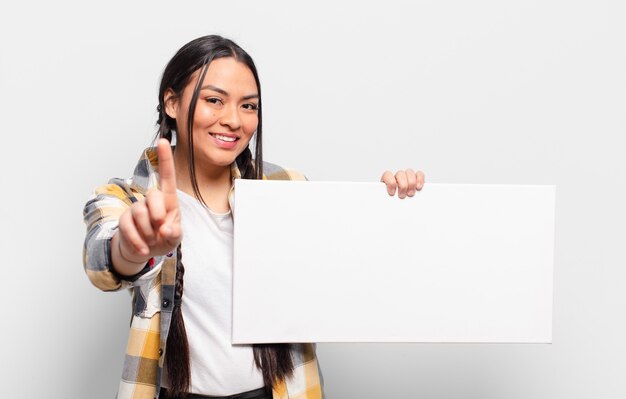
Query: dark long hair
x=274, y=360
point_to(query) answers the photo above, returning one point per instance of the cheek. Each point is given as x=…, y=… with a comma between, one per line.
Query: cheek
x=204, y=116
x=250, y=123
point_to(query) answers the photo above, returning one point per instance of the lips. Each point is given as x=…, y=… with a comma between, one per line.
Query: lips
x=226, y=137
x=225, y=141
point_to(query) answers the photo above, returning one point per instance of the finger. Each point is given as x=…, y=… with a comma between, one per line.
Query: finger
x=390, y=181
x=167, y=174
x=171, y=230
x=156, y=208
x=402, y=183
x=411, y=179
x=141, y=219
x=130, y=238
x=421, y=179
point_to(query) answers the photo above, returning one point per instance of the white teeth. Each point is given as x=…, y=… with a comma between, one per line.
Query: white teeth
x=225, y=138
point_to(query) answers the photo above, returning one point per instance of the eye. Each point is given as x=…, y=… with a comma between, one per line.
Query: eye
x=214, y=100
x=251, y=106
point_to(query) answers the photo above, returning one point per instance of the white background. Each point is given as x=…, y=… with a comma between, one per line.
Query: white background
x=519, y=92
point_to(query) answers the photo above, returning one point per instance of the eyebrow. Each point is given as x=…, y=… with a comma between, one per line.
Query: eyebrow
x=224, y=92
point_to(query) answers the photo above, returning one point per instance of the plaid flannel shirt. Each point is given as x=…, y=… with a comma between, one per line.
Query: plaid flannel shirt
x=152, y=288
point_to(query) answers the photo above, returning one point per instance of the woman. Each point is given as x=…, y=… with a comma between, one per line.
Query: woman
x=210, y=102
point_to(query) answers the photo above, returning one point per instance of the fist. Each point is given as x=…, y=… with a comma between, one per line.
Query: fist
x=151, y=227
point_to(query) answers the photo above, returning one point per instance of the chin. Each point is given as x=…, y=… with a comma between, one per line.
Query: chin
x=223, y=160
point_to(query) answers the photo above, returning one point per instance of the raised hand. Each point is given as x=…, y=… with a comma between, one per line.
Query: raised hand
x=149, y=227
x=406, y=181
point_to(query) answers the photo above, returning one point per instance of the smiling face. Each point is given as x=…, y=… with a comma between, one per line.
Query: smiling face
x=225, y=117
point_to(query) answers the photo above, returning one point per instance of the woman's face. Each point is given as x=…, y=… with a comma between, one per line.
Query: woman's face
x=226, y=113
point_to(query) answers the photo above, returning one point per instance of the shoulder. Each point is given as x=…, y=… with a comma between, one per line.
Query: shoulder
x=146, y=174
x=275, y=172
x=128, y=190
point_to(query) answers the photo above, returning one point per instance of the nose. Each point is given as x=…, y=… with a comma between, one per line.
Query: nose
x=230, y=117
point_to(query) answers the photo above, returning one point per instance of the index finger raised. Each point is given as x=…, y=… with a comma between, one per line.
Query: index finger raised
x=167, y=174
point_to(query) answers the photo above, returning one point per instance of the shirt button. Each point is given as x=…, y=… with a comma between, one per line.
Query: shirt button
x=166, y=303
x=170, y=254
x=160, y=351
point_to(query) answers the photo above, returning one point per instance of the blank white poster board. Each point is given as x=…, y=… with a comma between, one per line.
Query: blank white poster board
x=345, y=262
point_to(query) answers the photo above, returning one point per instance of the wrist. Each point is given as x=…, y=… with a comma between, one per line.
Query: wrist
x=119, y=250
x=123, y=263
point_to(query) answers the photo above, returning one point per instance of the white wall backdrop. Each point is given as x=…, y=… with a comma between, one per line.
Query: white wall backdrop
x=519, y=91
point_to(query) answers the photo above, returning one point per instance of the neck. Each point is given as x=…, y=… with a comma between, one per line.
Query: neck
x=213, y=181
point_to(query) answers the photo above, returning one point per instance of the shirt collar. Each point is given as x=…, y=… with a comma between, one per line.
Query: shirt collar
x=146, y=175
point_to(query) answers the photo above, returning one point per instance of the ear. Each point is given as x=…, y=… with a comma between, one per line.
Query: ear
x=170, y=99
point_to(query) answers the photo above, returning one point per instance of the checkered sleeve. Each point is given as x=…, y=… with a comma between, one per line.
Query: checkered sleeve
x=101, y=216
x=306, y=381
x=275, y=172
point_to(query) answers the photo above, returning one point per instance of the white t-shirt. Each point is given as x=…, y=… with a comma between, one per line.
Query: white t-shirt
x=217, y=367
